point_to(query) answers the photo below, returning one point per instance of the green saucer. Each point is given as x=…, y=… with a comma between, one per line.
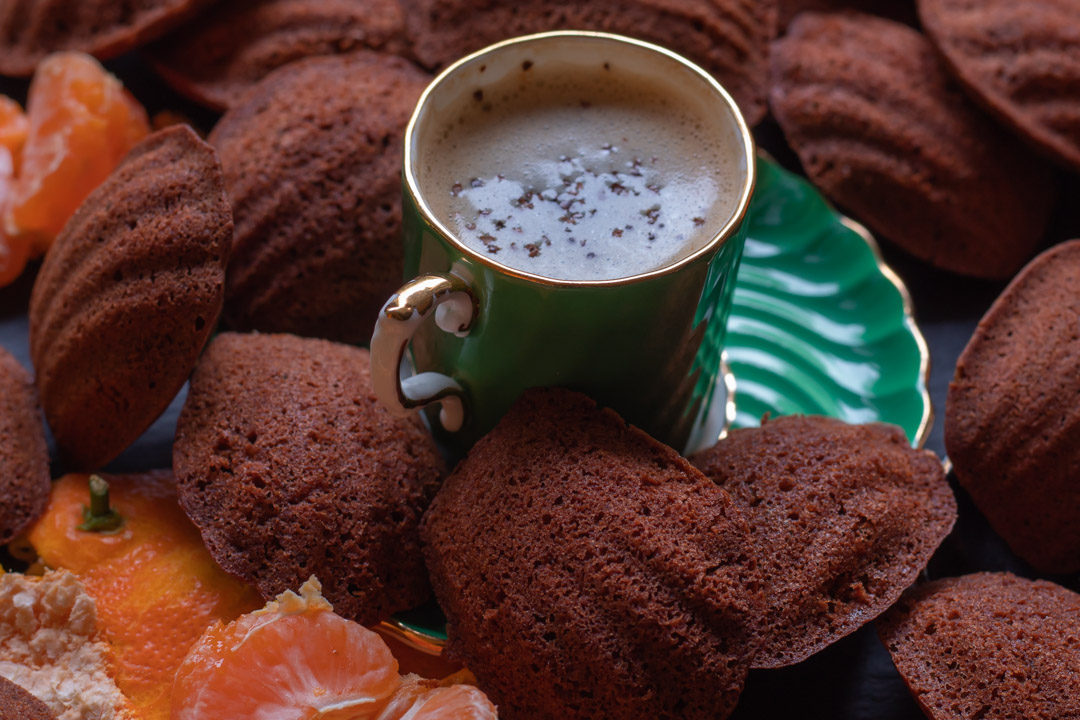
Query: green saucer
x=819, y=325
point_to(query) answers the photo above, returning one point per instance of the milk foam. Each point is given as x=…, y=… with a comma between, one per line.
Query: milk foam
x=582, y=175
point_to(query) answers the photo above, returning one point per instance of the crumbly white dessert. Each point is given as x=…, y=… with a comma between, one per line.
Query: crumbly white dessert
x=50, y=645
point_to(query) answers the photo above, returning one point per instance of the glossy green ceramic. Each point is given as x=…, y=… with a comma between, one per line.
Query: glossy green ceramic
x=819, y=324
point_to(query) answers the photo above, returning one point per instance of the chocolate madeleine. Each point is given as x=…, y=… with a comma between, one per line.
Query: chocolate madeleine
x=312, y=161
x=24, y=457
x=129, y=294
x=1020, y=60
x=31, y=29
x=1012, y=417
x=586, y=563
x=290, y=467
x=880, y=128
x=18, y=704
x=844, y=518
x=241, y=41
x=729, y=38
x=989, y=645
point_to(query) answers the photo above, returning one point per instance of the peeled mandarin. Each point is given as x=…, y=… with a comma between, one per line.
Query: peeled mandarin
x=295, y=659
x=155, y=585
x=13, y=128
x=451, y=699
x=14, y=252
x=81, y=124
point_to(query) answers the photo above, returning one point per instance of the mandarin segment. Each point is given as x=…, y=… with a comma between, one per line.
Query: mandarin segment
x=456, y=702
x=14, y=252
x=14, y=126
x=156, y=587
x=295, y=659
x=81, y=124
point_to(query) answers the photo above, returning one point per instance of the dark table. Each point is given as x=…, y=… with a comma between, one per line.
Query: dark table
x=852, y=680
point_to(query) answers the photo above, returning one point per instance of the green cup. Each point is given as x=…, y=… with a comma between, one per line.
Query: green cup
x=480, y=331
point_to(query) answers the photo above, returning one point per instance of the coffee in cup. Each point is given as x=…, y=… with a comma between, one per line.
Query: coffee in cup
x=582, y=174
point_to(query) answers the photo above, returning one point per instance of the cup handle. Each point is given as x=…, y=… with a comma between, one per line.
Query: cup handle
x=454, y=307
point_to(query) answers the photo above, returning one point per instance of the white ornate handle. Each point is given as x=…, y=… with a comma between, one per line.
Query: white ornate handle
x=449, y=298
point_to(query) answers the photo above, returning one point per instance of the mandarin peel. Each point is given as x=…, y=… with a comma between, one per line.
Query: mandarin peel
x=155, y=585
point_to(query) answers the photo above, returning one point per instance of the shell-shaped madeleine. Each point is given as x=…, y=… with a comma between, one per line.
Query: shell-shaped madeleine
x=878, y=125
x=290, y=467
x=844, y=518
x=241, y=41
x=1012, y=418
x=988, y=645
x=1021, y=60
x=577, y=557
x=24, y=457
x=312, y=161
x=31, y=29
x=729, y=38
x=129, y=294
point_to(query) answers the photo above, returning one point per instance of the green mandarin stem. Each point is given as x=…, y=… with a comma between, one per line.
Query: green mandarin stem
x=99, y=516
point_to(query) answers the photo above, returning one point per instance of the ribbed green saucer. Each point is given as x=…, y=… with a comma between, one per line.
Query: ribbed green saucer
x=819, y=325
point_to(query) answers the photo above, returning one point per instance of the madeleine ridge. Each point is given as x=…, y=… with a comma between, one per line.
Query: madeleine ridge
x=1012, y=416
x=845, y=517
x=290, y=467
x=241, y=42
x=312, y=160
x=129, y=294
x=914, y=160
x=988, y=645
x=1021, y=60
x=728, y=38
x=31, y=29
x=588, y=571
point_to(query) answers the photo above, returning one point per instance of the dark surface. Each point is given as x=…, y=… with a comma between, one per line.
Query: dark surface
x=852, y=680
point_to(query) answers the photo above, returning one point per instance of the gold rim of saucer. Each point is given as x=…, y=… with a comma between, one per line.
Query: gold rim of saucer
x=927, y=421
x=922, y=434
